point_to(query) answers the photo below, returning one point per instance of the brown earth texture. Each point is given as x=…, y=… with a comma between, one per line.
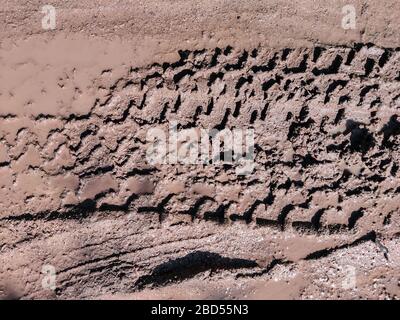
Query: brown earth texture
x=86, y=214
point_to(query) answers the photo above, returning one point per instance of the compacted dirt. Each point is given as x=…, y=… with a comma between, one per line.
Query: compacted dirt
x=317, y=217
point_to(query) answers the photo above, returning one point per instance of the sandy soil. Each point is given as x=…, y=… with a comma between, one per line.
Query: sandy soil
x=84, y=214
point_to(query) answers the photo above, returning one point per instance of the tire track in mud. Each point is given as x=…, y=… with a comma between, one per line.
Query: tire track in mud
x=326, y=150
x=104, y=153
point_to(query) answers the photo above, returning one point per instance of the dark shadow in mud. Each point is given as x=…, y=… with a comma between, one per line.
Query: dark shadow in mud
x=190, y=265
x=392, y=128
x=361, y=139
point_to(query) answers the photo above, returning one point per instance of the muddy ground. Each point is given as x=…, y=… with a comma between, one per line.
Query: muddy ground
x=85, y=214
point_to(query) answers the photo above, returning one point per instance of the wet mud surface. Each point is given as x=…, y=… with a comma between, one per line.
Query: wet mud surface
x=316, y=217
